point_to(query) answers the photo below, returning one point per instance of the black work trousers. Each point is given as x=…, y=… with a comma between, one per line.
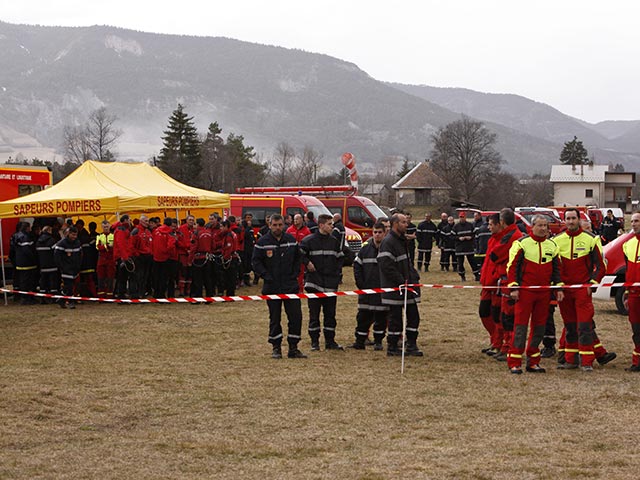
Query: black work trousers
x=424, y=256
x=366, y=318
x=395, y=323
x=328, y=307
x=202, y=276
x=293, y=310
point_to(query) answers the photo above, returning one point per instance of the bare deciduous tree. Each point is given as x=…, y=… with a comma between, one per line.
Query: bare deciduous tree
x=93, y=141
x=283, y=163
x=463, y=155
x=102, y=135
x=76, y=146
x=309, y=164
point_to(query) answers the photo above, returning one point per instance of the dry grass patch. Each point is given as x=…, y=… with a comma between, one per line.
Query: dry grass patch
x=182, y=391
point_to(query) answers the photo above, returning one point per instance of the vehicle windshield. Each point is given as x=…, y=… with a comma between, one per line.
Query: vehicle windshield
x=375, y=211
x=529, y=215
x=318, y=210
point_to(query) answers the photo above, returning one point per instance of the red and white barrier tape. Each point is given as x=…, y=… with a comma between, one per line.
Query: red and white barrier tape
x=290, y=296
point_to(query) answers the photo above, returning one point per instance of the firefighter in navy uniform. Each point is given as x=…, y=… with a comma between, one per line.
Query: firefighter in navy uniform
x=26, y=263
x=87, y=285
x=464, y=238
x=448, y=245
x=481, y=236
x=276, y=258
x=323, y=259
x=68, y=257
x=425, y=234
x=395, y=270
x=370, y=308
x=49, y=275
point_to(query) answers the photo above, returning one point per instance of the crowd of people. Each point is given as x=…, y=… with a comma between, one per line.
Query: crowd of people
x=146, y=257
x=133, y=258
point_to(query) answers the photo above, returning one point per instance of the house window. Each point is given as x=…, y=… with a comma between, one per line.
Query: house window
x=588, y=193
x=423, y=197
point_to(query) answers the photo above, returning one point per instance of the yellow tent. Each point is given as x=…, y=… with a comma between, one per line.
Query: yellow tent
x=97, y=188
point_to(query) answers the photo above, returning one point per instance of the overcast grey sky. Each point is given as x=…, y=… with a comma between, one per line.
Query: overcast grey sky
x=581, y=57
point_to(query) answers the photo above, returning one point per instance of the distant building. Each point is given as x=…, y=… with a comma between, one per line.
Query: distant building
x=592, y=185
x=421, y=186
x=379, y=193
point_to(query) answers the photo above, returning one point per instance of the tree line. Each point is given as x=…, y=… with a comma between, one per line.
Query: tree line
x=463, y=154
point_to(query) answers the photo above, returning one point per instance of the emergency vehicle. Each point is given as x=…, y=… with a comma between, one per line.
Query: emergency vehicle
x=358, y=213
x=263, y=205
x=18, y=181
x=615, y=273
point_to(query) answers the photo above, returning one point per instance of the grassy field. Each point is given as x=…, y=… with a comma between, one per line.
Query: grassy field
x=190, y=391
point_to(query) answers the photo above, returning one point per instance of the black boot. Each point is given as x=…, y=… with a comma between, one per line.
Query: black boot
x=277, y=352
x=357, y=345
x=315, y=345
x=412, y=350
x=295, y=353
x=393, y=350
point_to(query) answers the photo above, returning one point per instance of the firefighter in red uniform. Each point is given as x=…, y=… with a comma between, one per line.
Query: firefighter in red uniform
x=631, y=249
x=216, y=242
x=299, y=230
x=164, y=249
x=533, y=260
x=122, y=255
x=229, y=260
x=142, y=250
x=490, y=299
x=581, y=263
x=201, y=260
x=185, y=239
x=499, y=256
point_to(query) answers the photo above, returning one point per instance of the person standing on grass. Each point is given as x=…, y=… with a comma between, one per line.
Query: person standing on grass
x=67, y=254
x=425, y=234
x=489, y=309
x=370, y=308
x=464, y=238
x=396, y=269
x=276, y=258
x=533, y=260
x=631, y=249
x=582, y=262
x=323, y=259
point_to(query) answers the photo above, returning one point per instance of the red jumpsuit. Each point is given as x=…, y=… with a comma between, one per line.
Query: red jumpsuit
x=499, y=257
x=631, y=249
x=532, y=261
x=581, y=263
x=185, y=239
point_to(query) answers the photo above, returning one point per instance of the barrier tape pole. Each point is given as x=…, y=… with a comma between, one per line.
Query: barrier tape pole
x=292, y=296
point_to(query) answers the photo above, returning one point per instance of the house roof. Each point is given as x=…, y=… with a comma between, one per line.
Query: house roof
x=421, y=176
x=578, y=173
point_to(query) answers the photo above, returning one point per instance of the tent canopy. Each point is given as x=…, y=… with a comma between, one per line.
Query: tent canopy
x=96, y=188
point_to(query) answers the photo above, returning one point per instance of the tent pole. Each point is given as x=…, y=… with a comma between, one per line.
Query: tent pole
x=4, y=279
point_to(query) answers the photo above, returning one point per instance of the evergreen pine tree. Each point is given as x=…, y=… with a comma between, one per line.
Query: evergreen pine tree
x=180, y=155
x=574, y=153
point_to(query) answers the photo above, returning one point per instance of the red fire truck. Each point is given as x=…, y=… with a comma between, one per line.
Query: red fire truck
x=358, y=213
x=17, y=181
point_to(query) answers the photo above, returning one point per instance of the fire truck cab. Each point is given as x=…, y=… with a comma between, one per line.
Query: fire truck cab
x=358, y=213
x=261, y=205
